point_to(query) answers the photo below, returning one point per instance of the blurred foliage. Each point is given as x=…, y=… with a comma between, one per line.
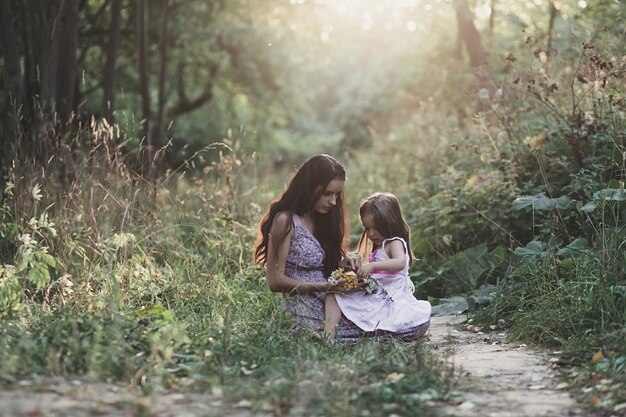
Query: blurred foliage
x=332, y=75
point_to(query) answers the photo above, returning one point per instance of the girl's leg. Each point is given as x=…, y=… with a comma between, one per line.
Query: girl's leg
x=332, y=315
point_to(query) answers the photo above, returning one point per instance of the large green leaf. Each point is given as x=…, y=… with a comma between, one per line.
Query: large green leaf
x=540, y=202
x=10, y=289
x=606, y=194
x=497, y=257
x=533, y=248
x=578, y=247
x=610, y=194
x=470, y=266
x=39, y=274
x=590, y=206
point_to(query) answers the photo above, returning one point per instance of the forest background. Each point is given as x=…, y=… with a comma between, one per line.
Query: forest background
x=142, y=140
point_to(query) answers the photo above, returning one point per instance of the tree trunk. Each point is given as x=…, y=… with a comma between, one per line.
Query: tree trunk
x=492, y=21
x=142, y=48
x=8, y=42
x=159, y=131
x=108, y=85
x=9, y=128
x=33, y=40
x=553, y=11
x=59, y=64
x=469, y=35
x=42, y=69
x=146, y=152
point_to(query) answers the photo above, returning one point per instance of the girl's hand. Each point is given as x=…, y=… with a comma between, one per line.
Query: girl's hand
x=364, y=270
x=356, y=262
x=352, y=262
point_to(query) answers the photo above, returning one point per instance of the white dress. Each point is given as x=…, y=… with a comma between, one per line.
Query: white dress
x=376, y=311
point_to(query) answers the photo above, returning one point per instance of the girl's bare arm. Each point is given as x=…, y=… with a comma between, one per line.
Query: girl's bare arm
x=396, y=261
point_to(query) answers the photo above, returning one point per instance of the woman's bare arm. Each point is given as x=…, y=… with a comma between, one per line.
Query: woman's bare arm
x=277, y=259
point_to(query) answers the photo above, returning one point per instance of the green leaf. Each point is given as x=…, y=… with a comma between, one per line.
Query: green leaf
x=469, y=265
x=7, y=377
x=590, y=206
x=156, y=309
x=158, y=312
x=606, y=194
x=166, y=317
x=10, y=290
x=39, y=274
x=534, y=248
x=540, y=202
x=610, y=194
x=422, y=245
x=497, y=257
x=47, y=259
x=578, y=247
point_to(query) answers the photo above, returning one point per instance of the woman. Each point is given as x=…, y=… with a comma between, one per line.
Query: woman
x=303, y=239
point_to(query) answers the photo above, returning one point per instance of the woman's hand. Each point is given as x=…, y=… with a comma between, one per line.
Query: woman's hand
x=340, y=289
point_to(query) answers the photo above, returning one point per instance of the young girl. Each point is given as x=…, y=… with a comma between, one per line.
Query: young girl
x=392, y=308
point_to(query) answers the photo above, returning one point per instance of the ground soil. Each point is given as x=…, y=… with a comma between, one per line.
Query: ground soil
x=62, y=397
x=498, y=378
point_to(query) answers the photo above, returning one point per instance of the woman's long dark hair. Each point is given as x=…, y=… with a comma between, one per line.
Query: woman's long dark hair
x=386, y=214
x=303, y=191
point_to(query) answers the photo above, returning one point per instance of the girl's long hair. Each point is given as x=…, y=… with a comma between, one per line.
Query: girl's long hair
x=303, y=191
x=386, y=214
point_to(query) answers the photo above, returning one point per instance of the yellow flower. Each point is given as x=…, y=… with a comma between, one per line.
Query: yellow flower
x=349, y=277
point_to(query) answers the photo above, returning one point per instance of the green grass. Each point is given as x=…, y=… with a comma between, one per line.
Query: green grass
x=157, y=288
x=229, y=333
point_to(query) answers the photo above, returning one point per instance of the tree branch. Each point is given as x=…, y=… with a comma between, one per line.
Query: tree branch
x=184, y=105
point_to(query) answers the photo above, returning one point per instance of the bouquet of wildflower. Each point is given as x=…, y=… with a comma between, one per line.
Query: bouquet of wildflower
x=372, y=286
x=339, y=274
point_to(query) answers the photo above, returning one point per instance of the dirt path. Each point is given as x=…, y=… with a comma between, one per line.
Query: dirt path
x=61, y=397
x=499, y=378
